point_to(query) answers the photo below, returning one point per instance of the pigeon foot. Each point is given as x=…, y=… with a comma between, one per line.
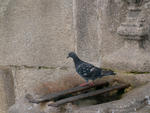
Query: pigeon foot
x=91, y=83
x=87, y=84
x=84, y=84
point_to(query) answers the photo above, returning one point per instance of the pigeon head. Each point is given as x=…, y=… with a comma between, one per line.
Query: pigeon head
x=72, y=55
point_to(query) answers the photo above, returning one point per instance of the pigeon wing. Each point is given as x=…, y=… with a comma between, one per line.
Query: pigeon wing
x=89, y=71
x=85, y=69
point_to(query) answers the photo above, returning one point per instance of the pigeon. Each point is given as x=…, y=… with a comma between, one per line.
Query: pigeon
x=88, y=71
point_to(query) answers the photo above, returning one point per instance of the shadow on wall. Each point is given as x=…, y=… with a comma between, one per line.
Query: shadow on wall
x=7, y=91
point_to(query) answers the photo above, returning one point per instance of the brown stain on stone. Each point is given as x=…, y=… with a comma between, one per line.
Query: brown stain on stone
x=66, y=82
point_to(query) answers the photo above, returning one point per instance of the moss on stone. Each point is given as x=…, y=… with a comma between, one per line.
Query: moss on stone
x=137, y=72
x=45, y=67
x=64, y=68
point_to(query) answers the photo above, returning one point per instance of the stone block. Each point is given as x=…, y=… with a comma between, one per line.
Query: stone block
x=23, y=106
x=134, y=53
x=132, y=102
x=110, y=15
x=128, y=58
x=39, y=82
x=7, y=97
x=36, y=32
x=86, y=30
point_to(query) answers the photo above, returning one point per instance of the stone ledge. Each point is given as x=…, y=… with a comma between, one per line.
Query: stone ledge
x=128, y=59
x=129, y=101
x=128, y=104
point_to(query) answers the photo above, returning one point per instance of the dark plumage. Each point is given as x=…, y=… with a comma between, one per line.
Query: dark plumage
x=87, y=70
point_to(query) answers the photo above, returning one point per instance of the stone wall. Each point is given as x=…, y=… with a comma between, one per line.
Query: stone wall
x=133, y=31
x=36, y=33
x=36, y=36
x=120, y=36
x=86, y=30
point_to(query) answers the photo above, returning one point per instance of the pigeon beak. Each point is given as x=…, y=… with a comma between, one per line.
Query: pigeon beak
x=113, y=73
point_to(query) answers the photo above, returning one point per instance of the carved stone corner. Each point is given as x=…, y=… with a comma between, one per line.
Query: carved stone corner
x=133, y=28
x=132, y=56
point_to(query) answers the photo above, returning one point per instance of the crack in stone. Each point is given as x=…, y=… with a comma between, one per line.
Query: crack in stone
x=38, y=67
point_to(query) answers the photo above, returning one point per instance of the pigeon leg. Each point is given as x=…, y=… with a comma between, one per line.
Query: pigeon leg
x=91, y=83
x=84, y=84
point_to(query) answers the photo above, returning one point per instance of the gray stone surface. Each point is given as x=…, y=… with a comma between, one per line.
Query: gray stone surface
x=111, y=13
x=135, y=80
x=7, y=97
x=128, y=59
x=36, y=32
x=86, y=30
x=132, y=102
x=43, y=81
x=23, y=106
x=133, y=55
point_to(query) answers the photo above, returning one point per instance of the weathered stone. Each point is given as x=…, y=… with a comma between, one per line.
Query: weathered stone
x=43, y=81
x=40, y=33
x=128, y=60
x=3, y=7
x=23, y=106
x=146, y=109
x=129, y=101
x=111, y=14
x=135, y=80
x=132, y=102
x=36, y=32
x=86, y=29
x=133, y=55
x=7, y=97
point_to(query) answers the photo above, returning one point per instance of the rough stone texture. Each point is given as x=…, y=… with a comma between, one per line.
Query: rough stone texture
x=36, y=32
x=3, y=7
x=134, y=53
x=96, y=23
x=43, y=81
x=131, y=103
x=128, y=60
x=136, y=80
x=22, y=106
x=7, y=97
x=110, y=14
x=131, y=100
x=86, y=30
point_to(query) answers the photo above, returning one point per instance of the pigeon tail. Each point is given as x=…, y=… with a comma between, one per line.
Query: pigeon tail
x=108, y=72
